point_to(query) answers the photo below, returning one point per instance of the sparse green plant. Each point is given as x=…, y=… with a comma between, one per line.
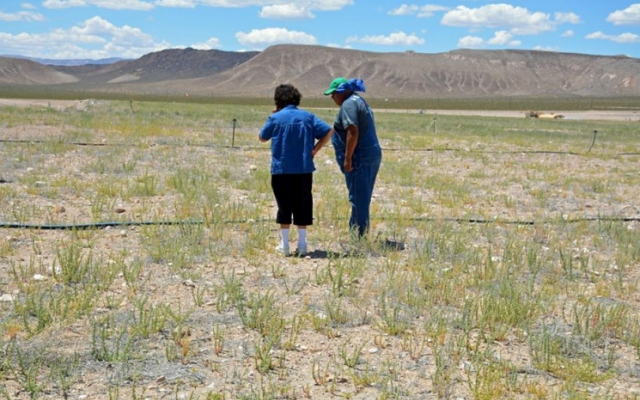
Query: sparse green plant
x=218, y=339
x=351, y=359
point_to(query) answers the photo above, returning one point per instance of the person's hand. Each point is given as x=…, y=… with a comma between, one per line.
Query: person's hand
x=314, y=152
x=275, y=110
x=347, y=165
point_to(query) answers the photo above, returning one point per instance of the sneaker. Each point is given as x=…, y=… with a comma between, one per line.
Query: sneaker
x=301, y=251
x=284, y=250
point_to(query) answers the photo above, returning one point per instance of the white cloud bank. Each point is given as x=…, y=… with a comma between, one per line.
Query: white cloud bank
x=519, y=20
x=500, y=38
x=503, y=38
x=471, y=42
x=94, y=38
x=110, y=4
x=623, y=38
x=394, y=39
x=262, y=38
x=212, y=43
x=628, y=16
x=25, y=16
x=425, y=11
x=286, y=11
x=146, y=5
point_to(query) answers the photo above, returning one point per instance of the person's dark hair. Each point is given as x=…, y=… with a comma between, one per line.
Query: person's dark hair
x=286, y=95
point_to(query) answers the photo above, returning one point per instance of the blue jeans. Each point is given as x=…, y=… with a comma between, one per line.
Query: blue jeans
x=360, y=182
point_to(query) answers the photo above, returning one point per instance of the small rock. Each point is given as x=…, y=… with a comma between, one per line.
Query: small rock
x=189, y=283
x=304, y=348
x=466, y=366
x=373, y=350
x=6, y=298
x=120, y=210
x=252, y=168
x=123, y=233
x=38, y=277
x=82, y=396
x=328, y=162
x=212, y=386
x=161, y=379
x=60, y=209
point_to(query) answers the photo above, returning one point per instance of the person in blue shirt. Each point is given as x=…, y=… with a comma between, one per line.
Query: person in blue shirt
x=357, y=149
x=296, y=137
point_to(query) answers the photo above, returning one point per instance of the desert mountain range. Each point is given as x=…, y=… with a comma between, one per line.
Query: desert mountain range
x=456, y=74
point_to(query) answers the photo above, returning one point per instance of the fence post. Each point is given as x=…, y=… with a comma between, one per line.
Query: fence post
x=233, y=134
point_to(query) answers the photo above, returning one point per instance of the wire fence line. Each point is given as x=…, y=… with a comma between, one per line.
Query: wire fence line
x=265, y=148
x=479, y=221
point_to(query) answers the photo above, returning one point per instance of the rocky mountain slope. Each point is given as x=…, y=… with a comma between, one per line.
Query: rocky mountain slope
x=456, y=74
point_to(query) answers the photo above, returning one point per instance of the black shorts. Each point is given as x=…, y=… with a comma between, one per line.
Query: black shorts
x=293, y=195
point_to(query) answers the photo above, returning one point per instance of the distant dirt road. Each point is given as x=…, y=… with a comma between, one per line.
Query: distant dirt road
x=593, y=115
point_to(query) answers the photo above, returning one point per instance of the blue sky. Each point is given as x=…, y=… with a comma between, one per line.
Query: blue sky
x=64, y=29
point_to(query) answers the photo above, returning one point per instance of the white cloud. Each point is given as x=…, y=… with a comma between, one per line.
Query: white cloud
x=569, y=18
x=64, y=3
x=176, y=3
x=623, y=38
x=26, y=16
x=422, y=12
x=261, y=38
x=94, y=38
x=628, y=16
x=286, y=11
x=28, y=6
x=519, y=20
x=322, y=5
x=568, y=34
x=404, y=10
x=546, y=48
x=394, y=39
x=337, y=46
x=110, y=4
x=308, y=5
x=471, y=42
x=502, y=38
x=212, y=43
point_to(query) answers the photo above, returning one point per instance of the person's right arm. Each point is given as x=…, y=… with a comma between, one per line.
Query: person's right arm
x=352, y=140
x=266, y=131
x=322, y=142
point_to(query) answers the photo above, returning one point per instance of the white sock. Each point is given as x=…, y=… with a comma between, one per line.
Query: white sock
x=302, y=238
x=285, y=237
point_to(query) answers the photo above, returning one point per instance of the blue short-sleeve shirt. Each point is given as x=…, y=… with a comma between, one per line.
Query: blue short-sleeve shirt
x=355, y=111
x=293, y=133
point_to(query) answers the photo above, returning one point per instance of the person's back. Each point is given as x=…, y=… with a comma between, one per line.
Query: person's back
x=293, y=134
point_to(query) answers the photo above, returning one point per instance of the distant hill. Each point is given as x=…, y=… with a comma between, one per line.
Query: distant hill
x=48, y=61
x=161, y=66
x=460, y=73
x=409, y=75
x=14, y=71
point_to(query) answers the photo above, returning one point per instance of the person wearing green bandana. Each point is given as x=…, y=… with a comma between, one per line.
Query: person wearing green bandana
x=357, y=148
